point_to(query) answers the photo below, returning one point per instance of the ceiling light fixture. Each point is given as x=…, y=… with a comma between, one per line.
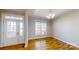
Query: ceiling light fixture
x=50, y=15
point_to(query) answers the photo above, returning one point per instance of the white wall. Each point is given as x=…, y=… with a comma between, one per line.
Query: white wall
x=0, y=30
x=66, y=27
x=31, y=27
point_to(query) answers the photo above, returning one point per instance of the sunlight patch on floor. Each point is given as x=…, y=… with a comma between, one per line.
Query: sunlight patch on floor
x=40, y=45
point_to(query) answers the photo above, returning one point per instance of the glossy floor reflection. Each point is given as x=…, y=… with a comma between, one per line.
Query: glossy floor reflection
x=40, y=45
x=47, y=43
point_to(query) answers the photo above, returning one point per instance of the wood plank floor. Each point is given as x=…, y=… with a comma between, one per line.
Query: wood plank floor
x=42, y=44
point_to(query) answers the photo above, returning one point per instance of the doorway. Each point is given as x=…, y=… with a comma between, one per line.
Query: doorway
x=13, y=29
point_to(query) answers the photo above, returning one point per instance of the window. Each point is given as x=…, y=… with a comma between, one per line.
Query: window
x=37, y=28
x=11, y=29
x=21, y=28
x=43, y=28
x=40, y=28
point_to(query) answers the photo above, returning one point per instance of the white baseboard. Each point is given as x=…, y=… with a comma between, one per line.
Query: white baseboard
x=37, y=37
x=11, y=44
x=26, y=44
x=66, y=42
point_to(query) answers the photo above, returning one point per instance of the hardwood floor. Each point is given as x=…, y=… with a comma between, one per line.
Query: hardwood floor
x=42, y=44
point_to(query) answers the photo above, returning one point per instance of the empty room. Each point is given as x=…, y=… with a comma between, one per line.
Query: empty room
x=39, y=29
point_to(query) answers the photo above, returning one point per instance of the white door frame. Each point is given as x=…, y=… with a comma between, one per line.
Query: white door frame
x=3, y=20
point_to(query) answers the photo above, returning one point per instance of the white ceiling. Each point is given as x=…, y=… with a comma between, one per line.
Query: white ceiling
x=45, y=12
x=41, y=12
x=16, y=10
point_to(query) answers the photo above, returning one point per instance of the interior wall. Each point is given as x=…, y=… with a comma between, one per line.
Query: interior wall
x=31, y=27
x=0, y=31
x=66, y=27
